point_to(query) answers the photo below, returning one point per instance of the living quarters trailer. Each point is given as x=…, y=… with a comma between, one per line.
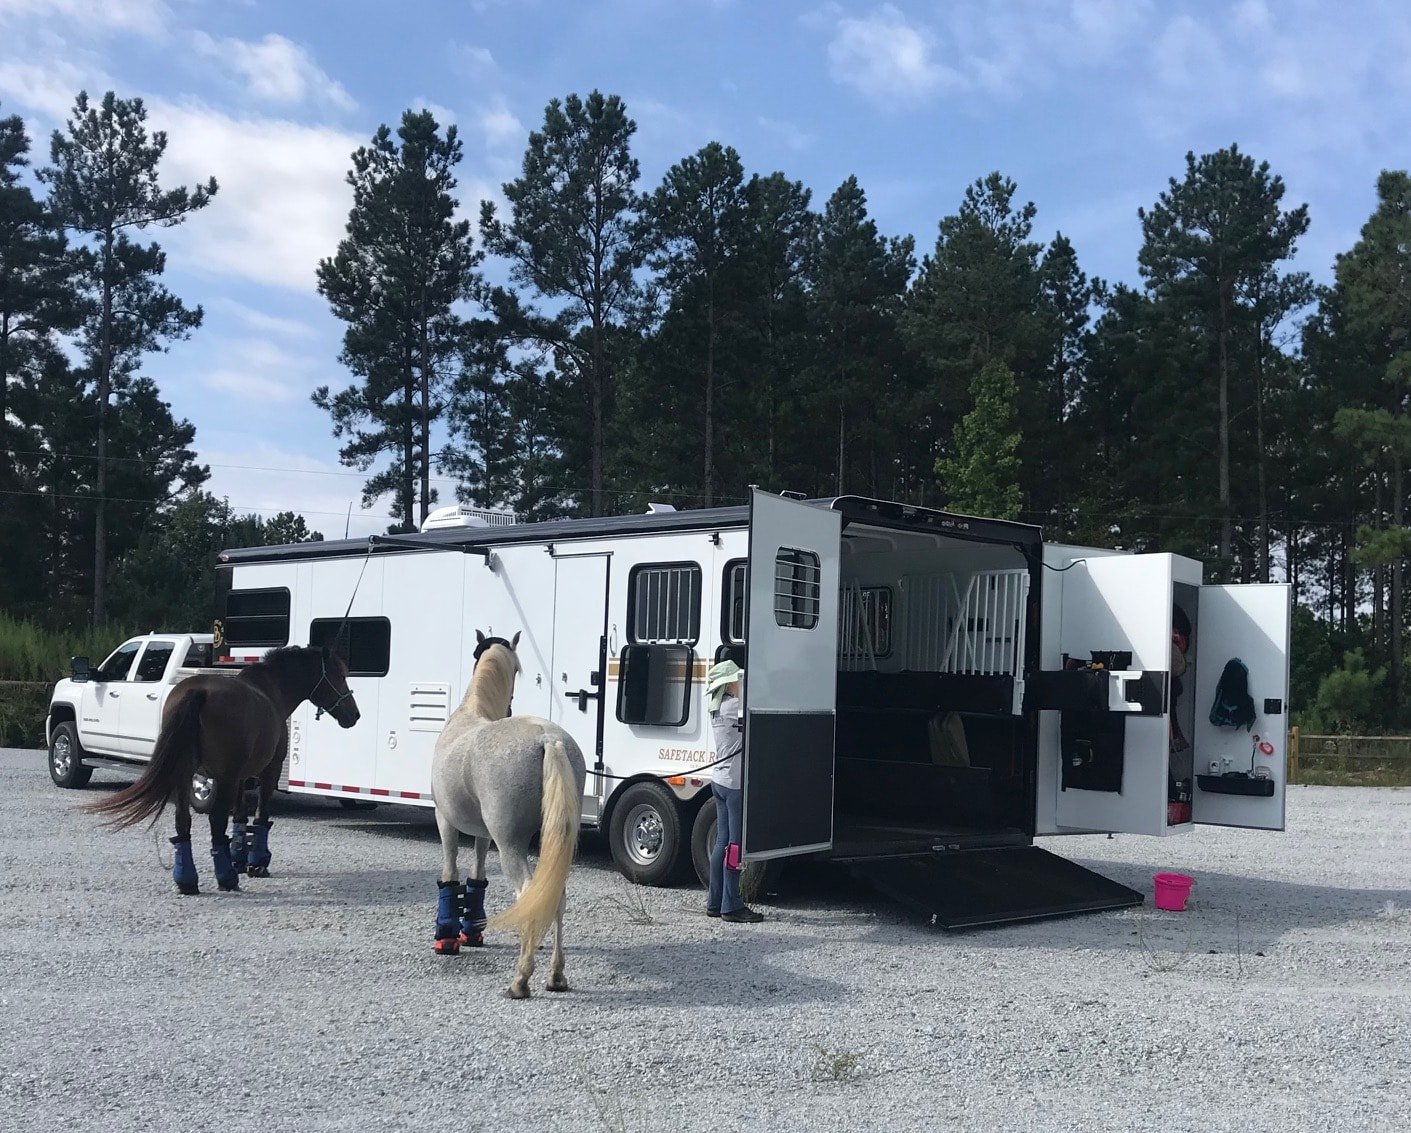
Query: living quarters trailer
x=925, y=692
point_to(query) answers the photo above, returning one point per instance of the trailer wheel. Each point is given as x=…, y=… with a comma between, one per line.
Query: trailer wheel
x=66, y=766
x=203, y=791
x=646, y=836
x=756, y=879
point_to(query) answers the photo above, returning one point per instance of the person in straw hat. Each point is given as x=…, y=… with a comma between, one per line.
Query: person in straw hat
x=723, y=695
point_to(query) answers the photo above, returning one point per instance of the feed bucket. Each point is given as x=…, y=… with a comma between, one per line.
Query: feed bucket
x=1172, y=889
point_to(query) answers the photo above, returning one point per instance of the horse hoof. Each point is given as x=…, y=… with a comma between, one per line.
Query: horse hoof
x=448, y=947
x=188, y=888
x=518, y=991
x=559, y=984
x=473, y=939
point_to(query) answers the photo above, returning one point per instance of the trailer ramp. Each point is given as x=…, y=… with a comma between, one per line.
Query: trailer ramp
x=982, y=888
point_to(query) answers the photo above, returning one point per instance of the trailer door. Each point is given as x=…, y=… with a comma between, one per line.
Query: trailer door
x=580, y=645
x=1113, y=732
x=791, y=677
x=1245, y=785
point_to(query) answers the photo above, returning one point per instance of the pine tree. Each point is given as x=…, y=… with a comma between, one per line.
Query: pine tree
x=573, y=242
x=396, y=281
x=983, y=476
x=103, y=185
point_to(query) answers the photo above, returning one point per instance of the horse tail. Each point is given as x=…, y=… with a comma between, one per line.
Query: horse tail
x=560, y=814
x=169, y=773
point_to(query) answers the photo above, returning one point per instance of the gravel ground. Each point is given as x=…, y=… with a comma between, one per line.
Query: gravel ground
x=312, y=1000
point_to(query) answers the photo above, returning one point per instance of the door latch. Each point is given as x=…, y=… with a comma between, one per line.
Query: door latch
x=584, y=695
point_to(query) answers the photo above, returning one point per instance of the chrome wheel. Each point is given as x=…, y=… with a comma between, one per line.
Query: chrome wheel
x=61, y=756
x=642, y=834
x=202, y=789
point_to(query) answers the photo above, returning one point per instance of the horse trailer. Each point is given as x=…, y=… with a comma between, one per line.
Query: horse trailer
x=925, y=693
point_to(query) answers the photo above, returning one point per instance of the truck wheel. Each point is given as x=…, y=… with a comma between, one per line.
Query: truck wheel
x=756, y=879
x=646, y=836
x=66, y=766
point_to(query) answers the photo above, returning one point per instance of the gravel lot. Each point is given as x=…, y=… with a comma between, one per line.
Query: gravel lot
x=312, y=1000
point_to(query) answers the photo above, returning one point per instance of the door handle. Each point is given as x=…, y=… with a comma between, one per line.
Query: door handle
x=113, y=694
x=584, y=695
x=151, y=696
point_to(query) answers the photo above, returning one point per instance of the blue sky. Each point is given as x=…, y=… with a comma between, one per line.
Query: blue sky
x=1089, y=104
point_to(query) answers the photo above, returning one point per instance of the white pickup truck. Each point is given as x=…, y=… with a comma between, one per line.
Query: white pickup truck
x=113, y=713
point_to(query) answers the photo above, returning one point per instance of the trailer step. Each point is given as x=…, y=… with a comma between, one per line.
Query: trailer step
x=982, y=888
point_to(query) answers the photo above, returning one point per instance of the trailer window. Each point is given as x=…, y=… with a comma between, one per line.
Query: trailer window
x=654, y=684
x=364, y=643
x=664, y=604
x=732, y=606
x=796, y=588
x=866, y=623
x=257, y=617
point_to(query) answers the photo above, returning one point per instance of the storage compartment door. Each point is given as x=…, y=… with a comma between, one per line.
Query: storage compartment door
x=1251, y=623
x=1119, y=603
x=791, y=677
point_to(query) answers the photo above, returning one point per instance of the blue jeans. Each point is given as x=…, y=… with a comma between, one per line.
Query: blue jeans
x=725, y=883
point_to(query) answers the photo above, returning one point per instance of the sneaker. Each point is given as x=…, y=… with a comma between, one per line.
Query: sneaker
x=744, y=915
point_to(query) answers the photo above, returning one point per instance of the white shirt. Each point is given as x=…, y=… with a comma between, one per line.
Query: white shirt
x=729, y=741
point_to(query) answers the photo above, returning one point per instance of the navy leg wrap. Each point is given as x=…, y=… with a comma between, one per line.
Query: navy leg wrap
x=257, y=851
x=183, y=866
x=473, y=916
x=238, y=847
x=450, y=898
x=226, y=877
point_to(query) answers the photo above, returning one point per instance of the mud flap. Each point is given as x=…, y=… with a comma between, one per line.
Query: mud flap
x=981, y=888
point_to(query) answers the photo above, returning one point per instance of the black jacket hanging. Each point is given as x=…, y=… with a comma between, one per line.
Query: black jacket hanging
x=1233, y=705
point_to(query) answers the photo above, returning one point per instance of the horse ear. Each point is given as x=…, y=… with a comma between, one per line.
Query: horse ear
x=479, y=637
x=514, y=641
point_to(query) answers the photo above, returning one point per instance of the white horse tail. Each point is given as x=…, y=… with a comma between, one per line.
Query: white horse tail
x=560, y=817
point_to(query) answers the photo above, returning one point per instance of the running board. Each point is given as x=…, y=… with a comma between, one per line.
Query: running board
x=987, y=887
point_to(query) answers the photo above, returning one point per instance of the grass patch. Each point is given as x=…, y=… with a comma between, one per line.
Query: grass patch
x=836, y=1065
x=634, y=904
x=23, y=706
x=29, y=652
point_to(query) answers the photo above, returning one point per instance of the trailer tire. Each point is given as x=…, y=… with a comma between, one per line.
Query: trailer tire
x=646, y=835
x=66, y=766
x=756, y=879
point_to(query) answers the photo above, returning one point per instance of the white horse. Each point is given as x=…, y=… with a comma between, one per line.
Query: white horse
x=505, y=778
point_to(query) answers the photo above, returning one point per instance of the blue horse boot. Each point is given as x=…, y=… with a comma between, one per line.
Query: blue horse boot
x=239, y=847
x=183, y=867
x=450, y=899
x=473, y=914
x=257, y=849
x=226, y=877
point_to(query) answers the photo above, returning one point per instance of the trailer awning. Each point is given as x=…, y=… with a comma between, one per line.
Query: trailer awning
x=981, y=888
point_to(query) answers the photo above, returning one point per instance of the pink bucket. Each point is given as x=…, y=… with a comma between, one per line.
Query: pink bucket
x=1172, y=889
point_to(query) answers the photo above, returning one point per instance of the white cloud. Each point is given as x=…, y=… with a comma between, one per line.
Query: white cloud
x=500, y=126
x=263, y=372
x=283, y=201
x=87, y=18
x=887, y=58
x=444, y=115
x=49, y=87
x=478, y=59
x=787, y=133
x=275, y=70
x=262, y=322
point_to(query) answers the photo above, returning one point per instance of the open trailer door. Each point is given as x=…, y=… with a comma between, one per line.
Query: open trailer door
x=791, y=677
x=1240, y=771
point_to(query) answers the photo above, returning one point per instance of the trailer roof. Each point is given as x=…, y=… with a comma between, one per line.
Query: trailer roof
x=858, y=509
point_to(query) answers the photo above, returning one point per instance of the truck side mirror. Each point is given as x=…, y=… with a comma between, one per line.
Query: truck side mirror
x=80, y=669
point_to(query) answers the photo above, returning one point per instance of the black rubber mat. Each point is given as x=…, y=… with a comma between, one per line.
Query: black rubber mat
x=977, y=888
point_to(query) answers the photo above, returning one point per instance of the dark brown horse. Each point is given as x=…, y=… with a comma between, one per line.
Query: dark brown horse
x=230, y=729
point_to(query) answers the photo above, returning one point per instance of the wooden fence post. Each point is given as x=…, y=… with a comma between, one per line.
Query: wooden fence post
x=1291, y=775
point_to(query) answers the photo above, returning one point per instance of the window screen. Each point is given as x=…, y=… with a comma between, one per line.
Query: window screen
x=654, y=686
x=867, y=622
x=664, y=604
x=154, y=661
x=796, y=588
x=257, y=617
x=364, y=643
x=732, y=606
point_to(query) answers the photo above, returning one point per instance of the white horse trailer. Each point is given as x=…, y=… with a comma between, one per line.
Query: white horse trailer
x=925, y=692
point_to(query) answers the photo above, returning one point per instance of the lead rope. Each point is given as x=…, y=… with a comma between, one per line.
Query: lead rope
x=333, y=644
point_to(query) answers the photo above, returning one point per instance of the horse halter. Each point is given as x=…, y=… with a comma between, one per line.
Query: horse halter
x=486, y=643
x=347, y=694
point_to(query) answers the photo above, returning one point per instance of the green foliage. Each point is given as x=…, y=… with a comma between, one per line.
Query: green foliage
x=983, y=476
x=23, y=708
x=1352, y=698
x=29, y=652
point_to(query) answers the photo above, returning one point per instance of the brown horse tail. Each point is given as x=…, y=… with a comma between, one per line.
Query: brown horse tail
x=168, y=775
x=560, y=814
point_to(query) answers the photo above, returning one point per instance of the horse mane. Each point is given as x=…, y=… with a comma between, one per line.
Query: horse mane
x=492, y=684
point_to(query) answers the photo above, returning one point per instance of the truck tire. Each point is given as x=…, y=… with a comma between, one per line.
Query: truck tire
x=646, y=835
x=66, y=766
x=756, y=879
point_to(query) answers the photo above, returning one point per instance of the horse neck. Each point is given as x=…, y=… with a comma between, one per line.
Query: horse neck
x=284, y=688
x=488, y=697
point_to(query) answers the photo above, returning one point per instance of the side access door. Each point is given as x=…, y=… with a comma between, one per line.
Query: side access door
x=1105, y=734
x=579, y=655
x=791, y=677
x=1237, y=781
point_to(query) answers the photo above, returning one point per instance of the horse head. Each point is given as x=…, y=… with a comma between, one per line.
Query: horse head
x=331, y=694
x=494, y=681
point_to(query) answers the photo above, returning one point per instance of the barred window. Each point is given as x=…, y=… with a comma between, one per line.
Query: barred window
x=257, y=617
x=732, y=608
x=365, y=644
x=867, y=622
x=664, y=604
x=797, y=589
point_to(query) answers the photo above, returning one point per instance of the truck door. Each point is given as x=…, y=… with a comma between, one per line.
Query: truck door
x=1238, y=782
x=141, y=716
x=791, y=677
x=1108, y=731
x=579, y=653
x=99, y=725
